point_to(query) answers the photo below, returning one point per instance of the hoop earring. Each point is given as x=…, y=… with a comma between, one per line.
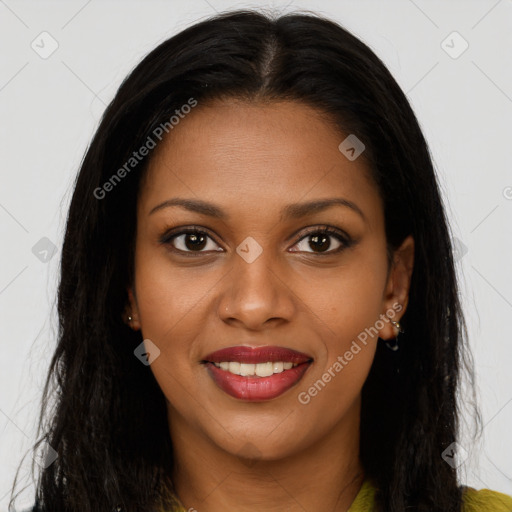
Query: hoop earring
x=395, y=346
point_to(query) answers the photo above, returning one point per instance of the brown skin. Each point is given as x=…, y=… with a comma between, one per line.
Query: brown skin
x=251, y=159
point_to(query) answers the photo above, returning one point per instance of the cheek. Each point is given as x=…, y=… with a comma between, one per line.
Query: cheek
x=346, y=313
x=169, y=298
x=346, y=307
x=171, y=304
x=347, y=300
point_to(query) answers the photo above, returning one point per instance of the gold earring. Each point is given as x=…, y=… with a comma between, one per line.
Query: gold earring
x=397, y=325
x=394, y=346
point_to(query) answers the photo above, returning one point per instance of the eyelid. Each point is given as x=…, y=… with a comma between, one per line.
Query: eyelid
x=319, y=228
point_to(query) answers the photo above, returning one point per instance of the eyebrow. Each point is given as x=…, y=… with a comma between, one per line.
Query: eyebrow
x=290, y=211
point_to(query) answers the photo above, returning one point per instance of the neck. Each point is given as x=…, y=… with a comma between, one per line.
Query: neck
x=326, y=475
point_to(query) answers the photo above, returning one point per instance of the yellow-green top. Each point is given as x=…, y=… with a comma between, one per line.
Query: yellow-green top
x=483, y=500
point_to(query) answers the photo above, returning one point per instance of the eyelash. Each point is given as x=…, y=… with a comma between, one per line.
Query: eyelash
x=345, y=240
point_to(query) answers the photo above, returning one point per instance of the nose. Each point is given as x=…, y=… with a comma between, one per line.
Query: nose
x=256, y=294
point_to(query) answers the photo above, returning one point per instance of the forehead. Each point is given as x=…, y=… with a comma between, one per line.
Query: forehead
x=240, y=152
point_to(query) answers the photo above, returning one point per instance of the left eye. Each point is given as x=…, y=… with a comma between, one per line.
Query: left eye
x=320, y=242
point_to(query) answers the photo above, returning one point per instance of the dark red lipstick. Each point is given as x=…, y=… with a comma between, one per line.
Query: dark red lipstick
x=237, y=376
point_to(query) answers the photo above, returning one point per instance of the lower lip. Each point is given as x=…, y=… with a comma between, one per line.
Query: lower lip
x=256, y=388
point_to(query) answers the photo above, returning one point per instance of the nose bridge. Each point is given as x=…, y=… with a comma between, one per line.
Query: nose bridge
x=256, y=291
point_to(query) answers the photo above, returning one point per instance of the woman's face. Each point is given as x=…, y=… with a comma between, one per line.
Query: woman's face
x=261, y=274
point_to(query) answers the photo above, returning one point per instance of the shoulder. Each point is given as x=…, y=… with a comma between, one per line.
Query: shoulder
x=485, y=500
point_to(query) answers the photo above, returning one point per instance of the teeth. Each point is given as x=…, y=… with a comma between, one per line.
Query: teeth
x=277, y=367
x=259, y=370
x=264, y=369
x=234, y=367
x=246, y=369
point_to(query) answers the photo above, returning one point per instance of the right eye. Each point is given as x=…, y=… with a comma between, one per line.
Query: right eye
x=190, y=241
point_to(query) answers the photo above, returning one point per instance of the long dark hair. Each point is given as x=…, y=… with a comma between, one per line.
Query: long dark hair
x=108, y=422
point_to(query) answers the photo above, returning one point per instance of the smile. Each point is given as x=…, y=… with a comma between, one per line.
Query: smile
x=259, y=370
x=256, y=374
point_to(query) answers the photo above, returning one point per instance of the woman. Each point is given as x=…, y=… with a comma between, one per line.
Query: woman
x=258, y=303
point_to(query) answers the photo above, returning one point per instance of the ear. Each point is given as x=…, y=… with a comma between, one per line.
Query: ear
x=396, y=293
x=132, y=311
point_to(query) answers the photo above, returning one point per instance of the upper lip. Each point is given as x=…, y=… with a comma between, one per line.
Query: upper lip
x=254, y=355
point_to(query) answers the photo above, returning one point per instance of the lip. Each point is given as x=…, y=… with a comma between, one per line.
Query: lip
x=254, y=355
x=254, y=388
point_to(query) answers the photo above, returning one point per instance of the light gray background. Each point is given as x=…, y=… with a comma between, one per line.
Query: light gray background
x=49, y=109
